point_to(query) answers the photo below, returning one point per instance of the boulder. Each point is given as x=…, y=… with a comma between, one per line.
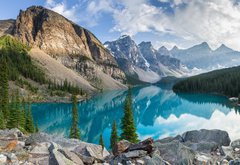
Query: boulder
x=146, y=145
x=3, y=159
x=218, y=136
x=155, y=159
x=235, y=144
x=170, y=139
x=234, y=162
x=134, y=154
x=85, y=159
x=12, y=158
x=175, y=152
x=12, y=134
x=121, y=147
x=72, y=156
x=204, y=147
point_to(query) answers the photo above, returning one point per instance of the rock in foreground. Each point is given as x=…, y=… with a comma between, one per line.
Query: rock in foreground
x=193, y=147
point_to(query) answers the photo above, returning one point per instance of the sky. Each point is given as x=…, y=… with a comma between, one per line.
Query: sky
x=163, y=22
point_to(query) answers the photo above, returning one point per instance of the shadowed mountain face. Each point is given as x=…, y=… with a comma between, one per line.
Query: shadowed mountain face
x=68, y=43
x=156, y=110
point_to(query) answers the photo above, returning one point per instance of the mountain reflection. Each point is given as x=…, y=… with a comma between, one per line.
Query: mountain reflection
x=151, y=104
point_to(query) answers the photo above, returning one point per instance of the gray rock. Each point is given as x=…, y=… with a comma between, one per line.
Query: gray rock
x=135, y=154
x=85, y=159
x=205, y=147
x=234, y=162
x=170, y=139
x=13, y=158
x=217, y=136
x=175, y=152
x=235, y=144
x=12, y=134
x=155, y=159
x=72, y=156
x=3, y=159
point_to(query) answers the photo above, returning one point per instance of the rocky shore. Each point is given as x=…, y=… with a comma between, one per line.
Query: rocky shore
x=192, y=147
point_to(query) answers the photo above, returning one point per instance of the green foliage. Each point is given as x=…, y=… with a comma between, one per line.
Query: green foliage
x=74, y=131
x=2, y=121
x=239, y=99
x=19, y=61
x=29, y=125
x=66, y=87
x=224, y=81
x=127, y=122
x=13, y=116
x=114, y=135
x=101, y=141
x=4, y=99
x=36, y=127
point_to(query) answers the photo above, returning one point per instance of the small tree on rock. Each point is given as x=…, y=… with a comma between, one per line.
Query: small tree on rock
x=74, y=131
x=114, y=135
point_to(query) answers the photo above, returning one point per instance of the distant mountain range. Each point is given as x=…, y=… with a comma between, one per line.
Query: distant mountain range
x=143, y=61
x=149, y=64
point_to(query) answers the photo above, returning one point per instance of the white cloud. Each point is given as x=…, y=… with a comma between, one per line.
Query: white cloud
x=214, y=21
x=62, y=9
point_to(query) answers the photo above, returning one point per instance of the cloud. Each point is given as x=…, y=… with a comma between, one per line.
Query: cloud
x=193, y=21
x=63, y=9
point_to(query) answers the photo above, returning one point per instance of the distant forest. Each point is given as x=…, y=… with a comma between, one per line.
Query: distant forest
x=224, y=81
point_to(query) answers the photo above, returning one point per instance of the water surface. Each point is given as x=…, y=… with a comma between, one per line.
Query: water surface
x=158, y=112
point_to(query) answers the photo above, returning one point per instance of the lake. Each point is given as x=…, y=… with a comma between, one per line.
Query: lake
x=158, y=112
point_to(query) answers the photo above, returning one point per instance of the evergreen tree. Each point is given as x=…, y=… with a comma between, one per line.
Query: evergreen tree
x=239, y=99
x=29, y=126
x=36, y=127
x=4, y=96
x=22, y=117
x=2, y=122
x=101, y=141
x=114, y=135
x=127, y=123
x=13, y=116
x=74, y=131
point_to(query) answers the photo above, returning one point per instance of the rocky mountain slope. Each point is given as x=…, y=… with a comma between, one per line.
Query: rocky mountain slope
x=143, y=61
x=192, y=147
x=68, y=44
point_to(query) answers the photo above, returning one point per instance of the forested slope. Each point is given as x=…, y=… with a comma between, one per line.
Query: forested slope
x=224, y=81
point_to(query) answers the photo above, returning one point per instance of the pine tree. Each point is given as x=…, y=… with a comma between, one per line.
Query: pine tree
x=4, y=96
x=74, y=131
x=127, y=123
x=29, y=126
x=13, y=116
x=2, y=122
x=36, y=127
x=22, y=117
x=114, y=135
x=101, y=141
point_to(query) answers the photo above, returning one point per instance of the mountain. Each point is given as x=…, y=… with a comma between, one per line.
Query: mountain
x=204, y=58
x=57, y=41
x=143, y=61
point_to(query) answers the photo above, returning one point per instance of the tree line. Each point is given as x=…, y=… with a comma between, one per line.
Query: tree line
x=128, y=128
x=14, y=111
x=224, y=81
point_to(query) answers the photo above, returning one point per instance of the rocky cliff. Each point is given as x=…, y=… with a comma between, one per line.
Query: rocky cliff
x=68, y=43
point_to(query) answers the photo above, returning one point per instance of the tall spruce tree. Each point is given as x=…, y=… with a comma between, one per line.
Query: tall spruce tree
x=13, y=115
x=2, y=121
x=4, y=95
x=127, y=122
x=101, y=141
x=22, y=115
x=114, y=135
x=74, y=131
x=239, y=99
x=36, y=127
x=29, y=125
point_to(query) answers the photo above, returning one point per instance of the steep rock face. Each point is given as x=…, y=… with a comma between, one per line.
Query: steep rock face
x=6, y=26
x=72, y=45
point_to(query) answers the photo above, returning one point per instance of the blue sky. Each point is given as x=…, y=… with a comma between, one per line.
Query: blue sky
x=163, y=22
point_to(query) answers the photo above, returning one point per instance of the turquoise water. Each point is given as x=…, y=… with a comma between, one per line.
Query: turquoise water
x=158, y=113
